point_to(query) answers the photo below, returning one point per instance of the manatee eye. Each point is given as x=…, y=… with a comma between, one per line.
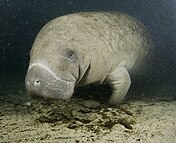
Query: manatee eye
x=72, y=56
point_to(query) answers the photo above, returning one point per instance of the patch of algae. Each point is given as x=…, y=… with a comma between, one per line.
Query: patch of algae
x=88, y=114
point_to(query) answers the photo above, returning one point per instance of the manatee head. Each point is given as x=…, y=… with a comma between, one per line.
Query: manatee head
x=53, y=68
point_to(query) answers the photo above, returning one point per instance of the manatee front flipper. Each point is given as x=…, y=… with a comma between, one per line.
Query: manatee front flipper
x=120, y=82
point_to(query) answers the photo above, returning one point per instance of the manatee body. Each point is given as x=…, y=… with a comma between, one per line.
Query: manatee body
x=87, y=47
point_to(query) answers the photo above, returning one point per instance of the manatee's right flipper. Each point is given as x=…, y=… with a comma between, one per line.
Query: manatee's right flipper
x=120, y=82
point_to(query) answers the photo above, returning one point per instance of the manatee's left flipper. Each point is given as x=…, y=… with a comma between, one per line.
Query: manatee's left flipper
x=120, y=82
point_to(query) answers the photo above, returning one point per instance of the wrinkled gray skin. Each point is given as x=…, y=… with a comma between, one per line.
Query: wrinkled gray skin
x=83, y=48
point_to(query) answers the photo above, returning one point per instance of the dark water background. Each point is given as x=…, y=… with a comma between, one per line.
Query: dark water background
x=21, y=20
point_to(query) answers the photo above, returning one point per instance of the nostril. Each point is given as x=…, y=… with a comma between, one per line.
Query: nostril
x=36, y=83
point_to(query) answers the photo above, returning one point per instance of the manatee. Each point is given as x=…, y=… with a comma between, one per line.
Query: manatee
x=88, y=47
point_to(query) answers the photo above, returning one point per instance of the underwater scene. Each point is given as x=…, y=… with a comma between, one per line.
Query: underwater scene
x=87, y=71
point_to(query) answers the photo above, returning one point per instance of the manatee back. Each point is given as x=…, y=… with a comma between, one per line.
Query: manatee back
x=132, y=44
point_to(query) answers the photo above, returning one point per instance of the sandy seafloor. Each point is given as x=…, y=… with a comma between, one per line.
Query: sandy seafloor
x=85, y=120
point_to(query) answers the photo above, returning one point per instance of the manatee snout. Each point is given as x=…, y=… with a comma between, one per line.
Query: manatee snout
x=41, y=82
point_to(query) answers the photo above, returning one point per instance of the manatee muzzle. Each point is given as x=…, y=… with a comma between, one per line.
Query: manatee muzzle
x=42, y=82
